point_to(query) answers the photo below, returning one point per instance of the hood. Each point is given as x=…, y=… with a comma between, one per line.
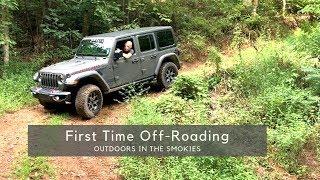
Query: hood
x=75, y=65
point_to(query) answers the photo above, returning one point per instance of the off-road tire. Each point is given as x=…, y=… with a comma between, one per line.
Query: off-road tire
x=84, y=102
x=48, y=105
x=163, y=81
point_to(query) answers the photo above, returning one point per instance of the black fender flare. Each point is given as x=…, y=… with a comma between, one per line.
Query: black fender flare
x=173, y=58
x=94, y=75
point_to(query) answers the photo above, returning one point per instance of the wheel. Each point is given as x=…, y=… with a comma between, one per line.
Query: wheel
x=167, y=73
x=48, y=105
x=89, y=100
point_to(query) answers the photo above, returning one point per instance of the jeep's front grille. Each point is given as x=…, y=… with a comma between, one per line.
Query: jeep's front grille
x=49, y=80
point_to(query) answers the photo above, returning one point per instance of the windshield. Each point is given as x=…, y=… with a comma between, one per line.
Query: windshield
x=94, y=47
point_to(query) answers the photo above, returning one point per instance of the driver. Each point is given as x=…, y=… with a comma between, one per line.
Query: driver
x=127, y=50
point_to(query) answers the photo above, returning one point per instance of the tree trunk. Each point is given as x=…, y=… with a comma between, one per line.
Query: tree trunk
x=255, y=4
x=85, y=25
x=6, y=45
x=6, y=38
x=28, y=24
x=284, y=4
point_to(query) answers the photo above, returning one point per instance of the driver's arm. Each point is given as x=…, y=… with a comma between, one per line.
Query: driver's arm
x=127, y=56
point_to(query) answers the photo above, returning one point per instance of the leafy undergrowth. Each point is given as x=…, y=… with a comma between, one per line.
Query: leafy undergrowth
x=33, y=168
x=15, y=85
x=17, y=80
x=269, y=86
x=179, y=107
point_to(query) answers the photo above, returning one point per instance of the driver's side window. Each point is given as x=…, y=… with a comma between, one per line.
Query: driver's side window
x=124, y=48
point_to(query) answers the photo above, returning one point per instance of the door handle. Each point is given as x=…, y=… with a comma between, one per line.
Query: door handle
x=153, y=56
x=135, y=60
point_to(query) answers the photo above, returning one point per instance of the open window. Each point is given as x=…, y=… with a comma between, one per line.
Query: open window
x=120, y=44
x=121, y=48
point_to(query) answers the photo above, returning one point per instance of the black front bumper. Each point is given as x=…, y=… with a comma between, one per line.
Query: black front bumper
x=51, y=95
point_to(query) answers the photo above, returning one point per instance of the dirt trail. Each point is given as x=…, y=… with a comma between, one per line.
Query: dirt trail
x=13, y=135
x=13, y=140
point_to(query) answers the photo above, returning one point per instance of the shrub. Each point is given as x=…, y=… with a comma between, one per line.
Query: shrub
x=308, y=41
x=280, y=105
x=276, y=64
x=313, y=78
x=215, y=58
x=185, y=168
x=145, y=112
x=230, y=109
x=182, y=111
x=15, y=86
x=212, y=81
x=190, y=87
x=135, y=89
x=192, y=46
x=288, y=141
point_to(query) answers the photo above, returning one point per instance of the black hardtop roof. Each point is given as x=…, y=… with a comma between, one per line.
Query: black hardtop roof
x=129, y=32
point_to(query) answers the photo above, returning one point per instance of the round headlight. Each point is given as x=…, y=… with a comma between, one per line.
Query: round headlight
x=61, y=78
x=36, y=76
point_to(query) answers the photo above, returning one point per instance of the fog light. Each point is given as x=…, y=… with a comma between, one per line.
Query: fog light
x=56, y=98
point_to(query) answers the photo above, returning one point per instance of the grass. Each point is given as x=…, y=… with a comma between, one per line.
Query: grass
x=18, y=79
x=58, y=119
x=15, y=86
x=33, y=168
x=258, y=87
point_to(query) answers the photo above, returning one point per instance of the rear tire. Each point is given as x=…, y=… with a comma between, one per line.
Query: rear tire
x=89, y=100
x=167, y=73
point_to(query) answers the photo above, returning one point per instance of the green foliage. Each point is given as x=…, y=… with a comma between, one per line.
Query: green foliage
x=308, y=41
x=182, y=111
x=7, y=6
x=313, y=7
x=194, y=47
x=281, y=105
x=265, y=90
x=276, y=64
x=54, y=32
x=215, y=58
x=145, y=112
x=58, y=119
x=213, y=81
x=171, y=108
x=56, y=55
x=33, y=168
x=168, y=109
x=15, y=86
x=133, y=90
x=288, y=141
x=185, y=168
x=190, y=87
x=313, y=78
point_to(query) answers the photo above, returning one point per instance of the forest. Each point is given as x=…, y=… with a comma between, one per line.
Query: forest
x=244, y=62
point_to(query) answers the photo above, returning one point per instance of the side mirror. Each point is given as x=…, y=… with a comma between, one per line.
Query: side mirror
x=117, y=55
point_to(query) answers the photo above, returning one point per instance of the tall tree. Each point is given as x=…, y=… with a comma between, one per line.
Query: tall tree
x=284, y=4
x=6, y=6
x=5, y=34
x=255, y=4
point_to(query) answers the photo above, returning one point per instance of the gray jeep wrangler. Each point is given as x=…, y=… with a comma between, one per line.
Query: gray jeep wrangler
x=98, y=68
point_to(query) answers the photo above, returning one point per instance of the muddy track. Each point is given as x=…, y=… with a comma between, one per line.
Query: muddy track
x=13, y=139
